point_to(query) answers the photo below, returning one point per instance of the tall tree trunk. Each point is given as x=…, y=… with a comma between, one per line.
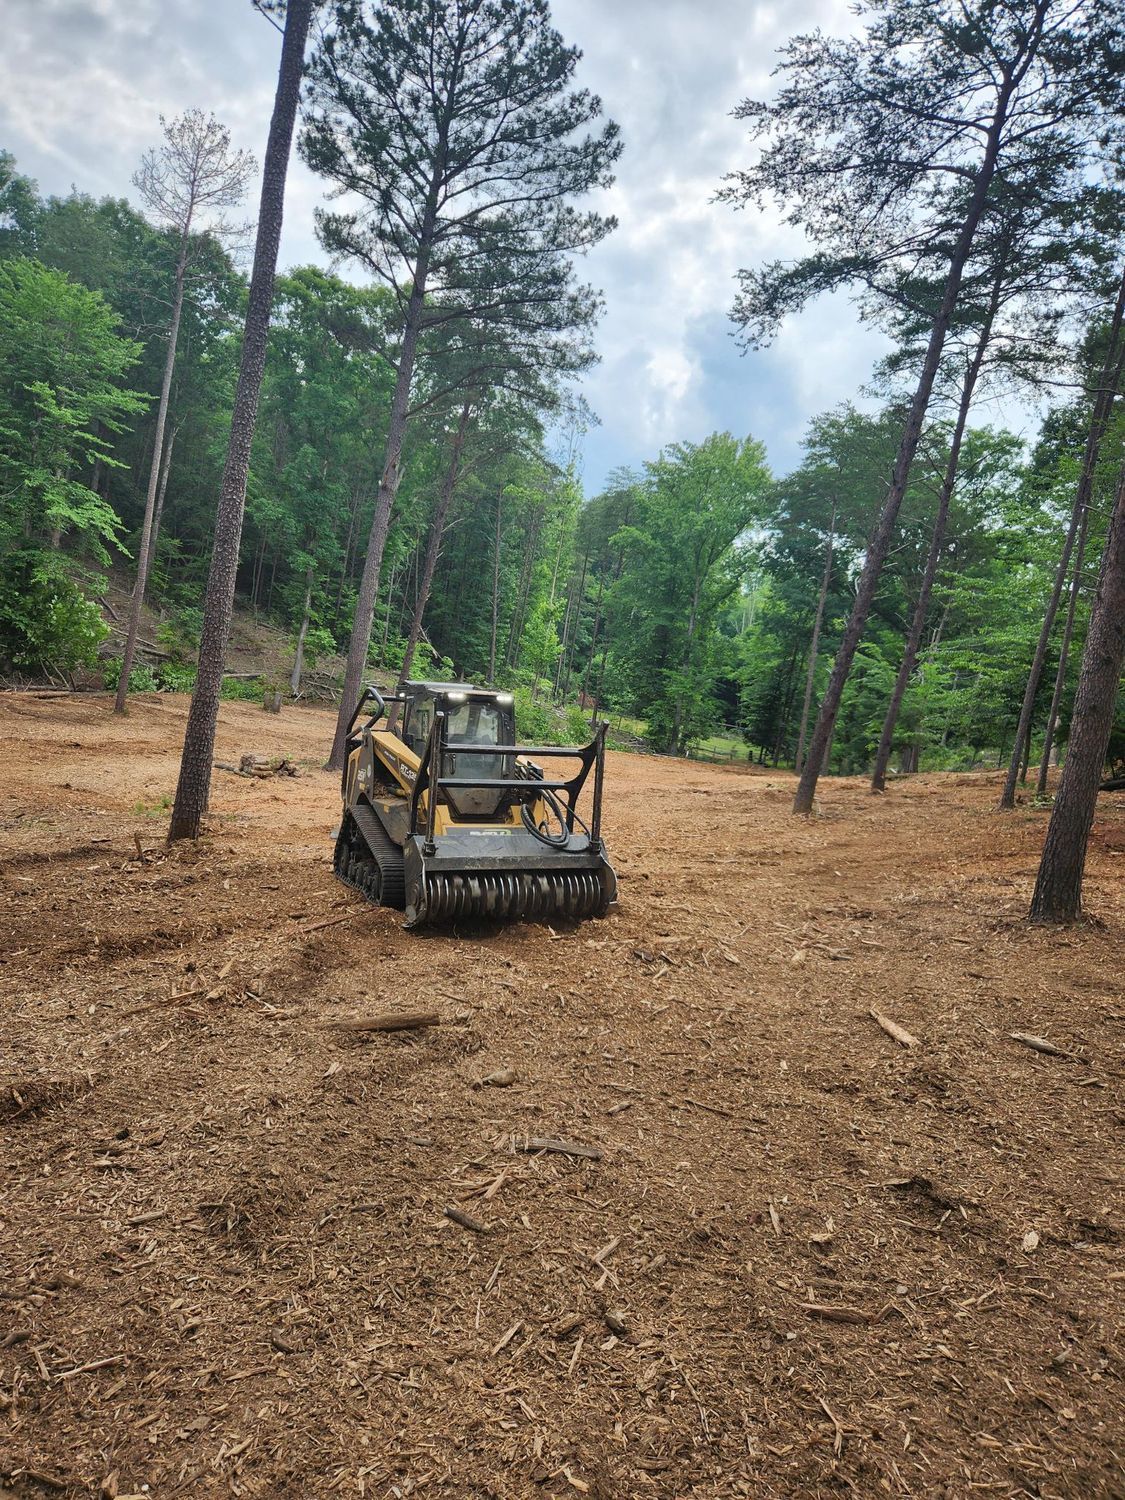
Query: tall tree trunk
x=1064, y=654
x=880, y=543
x=433, y=544
x=302, y=634
x=194, y=784
x=165, y=468
x=786, y=706
x=353, y=517
x=1049, y=746
x=387, y=614
x=273, y=579
x=523, y=592
x=678, y=712
x=570, y=627
x=593, y=641
x=384, y=503
x=1099, y=420
x=495, y=588
x=937, y=542
x=144, y=552
x=814, y=644
x=1058, y=888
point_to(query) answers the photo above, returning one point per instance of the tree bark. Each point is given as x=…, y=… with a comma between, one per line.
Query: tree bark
x=299, y=659
x=144, y=552
x=495, y=588
x=570, y=627
x=199, y=741
x=433, y=544
x=165, y=468
x=1050, y=749
x=1103, y=405
x=933, y=557
x=1058, y=888
x=814, y=644
x=881, y=540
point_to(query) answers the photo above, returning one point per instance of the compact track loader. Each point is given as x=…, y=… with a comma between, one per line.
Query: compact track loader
x=446, y=817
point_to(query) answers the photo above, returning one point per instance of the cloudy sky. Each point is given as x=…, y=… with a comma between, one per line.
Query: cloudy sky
x=83, y=83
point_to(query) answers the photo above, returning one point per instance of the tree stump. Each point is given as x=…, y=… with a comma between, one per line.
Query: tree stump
x=271, y=701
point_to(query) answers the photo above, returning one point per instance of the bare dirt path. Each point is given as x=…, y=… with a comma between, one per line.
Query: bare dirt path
x=808, y=1260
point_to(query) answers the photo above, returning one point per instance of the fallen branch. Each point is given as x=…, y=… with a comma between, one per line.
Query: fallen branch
x=900, y=1034
x=405, y=1021
x=835, y=1314
x=356, y=911
x=838, y=1440
x=139, y=1010
x=562, y=1148
x=465, y=1220
x=1038, y=1044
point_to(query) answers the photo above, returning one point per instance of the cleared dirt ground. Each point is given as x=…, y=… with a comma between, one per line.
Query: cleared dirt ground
x=808, y=1260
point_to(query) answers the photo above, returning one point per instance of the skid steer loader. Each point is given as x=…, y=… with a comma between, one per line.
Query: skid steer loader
x=447, y=818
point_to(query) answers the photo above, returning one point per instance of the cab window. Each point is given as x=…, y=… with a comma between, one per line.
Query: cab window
x=418, y=730
x=475, y=723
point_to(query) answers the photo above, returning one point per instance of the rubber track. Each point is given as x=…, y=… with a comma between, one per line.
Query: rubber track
x=359, y=870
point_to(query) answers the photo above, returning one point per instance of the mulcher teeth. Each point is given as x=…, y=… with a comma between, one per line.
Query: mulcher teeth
x=563, y=896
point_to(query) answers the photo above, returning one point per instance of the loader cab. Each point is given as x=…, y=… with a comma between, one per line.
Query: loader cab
x=473, y=716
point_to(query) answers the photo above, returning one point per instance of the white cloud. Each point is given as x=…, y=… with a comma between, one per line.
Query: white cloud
x=84, y=81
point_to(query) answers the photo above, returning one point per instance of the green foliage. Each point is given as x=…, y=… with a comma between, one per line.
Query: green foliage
x=60, y=399
x=540, y=722
x=242, y=689
x=174, y=677
x=142, y=679
x=46, y=622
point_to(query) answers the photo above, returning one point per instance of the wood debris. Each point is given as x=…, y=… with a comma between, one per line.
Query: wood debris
x=900, y=1034
x=415, y=1020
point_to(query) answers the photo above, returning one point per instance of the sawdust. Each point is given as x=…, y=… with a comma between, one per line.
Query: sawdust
x=805, y=1259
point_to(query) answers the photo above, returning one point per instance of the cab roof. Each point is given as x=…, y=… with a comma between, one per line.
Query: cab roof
x=437, y=689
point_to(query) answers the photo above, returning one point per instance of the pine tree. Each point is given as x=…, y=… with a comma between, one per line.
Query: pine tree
x=456, y=125
x=194, y=783
x=901, y=138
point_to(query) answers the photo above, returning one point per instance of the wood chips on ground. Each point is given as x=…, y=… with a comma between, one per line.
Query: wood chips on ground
x=800, y=1257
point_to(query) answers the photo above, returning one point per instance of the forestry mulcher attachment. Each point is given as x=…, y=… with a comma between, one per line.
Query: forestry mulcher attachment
x=446, y=817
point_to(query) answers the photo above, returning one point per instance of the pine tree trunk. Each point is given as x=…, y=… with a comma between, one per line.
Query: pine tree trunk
x=302, y=634
x=495, y=589
x=433, y=543
x=593, y=642
x=570, y=630
x=880, y=544
x=1064, y=655
x=194, y=784
x=165, y=468
x=523, y=592
x=1058, y=888
x=144, y=553
x=933, y=557
x=1050, y=749
x=387, y=615
x=1103, y=405
x=384, y=505
x=814, y=644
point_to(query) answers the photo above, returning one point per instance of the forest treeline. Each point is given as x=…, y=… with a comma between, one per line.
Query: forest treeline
x=684, y=595
x=915, y=593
